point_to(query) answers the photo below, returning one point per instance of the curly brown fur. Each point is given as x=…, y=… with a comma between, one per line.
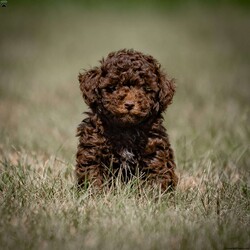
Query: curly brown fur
x=124, y=135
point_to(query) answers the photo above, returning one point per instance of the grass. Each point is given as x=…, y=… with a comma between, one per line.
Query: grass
x=42, y=51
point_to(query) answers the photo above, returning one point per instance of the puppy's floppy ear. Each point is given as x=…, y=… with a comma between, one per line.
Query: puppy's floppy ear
x=167, y=90
x=89, y=82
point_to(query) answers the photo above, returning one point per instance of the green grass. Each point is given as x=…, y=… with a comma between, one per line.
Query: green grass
x=42, y=51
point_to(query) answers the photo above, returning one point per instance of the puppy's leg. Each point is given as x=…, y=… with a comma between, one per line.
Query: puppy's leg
x=88, y=170
x=90, y=153
x=158, y=163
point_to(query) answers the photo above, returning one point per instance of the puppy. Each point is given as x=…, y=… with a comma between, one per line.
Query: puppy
x=123, y=134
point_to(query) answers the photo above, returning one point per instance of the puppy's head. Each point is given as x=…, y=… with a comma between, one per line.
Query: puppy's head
x=127, y=87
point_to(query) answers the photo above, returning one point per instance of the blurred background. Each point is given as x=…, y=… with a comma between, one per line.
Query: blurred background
x=204, y=45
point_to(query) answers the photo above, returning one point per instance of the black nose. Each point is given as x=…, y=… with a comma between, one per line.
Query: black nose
x=129, y=105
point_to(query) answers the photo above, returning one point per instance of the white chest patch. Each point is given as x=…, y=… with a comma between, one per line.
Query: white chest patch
x=127, y=158
x=126, y=155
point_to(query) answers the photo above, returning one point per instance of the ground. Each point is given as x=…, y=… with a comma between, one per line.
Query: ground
x=40, y=106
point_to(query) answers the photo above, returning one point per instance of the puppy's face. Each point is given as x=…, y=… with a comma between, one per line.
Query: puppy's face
x=127, y=88
x=129, y=103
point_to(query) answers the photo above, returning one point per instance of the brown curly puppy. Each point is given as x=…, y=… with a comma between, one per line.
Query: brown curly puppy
x=123, y=135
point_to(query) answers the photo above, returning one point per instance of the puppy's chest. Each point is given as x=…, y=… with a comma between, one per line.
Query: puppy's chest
x=127, y=149
x=125, y=160
x=128, y=158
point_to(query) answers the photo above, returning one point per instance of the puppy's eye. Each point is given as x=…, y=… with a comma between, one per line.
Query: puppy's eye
x=147, y=89
x=110, y=89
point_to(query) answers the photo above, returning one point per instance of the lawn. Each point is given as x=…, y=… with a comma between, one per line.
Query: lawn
x=42, y=51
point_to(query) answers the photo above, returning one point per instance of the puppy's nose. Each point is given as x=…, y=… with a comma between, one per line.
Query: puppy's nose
x=129, y=105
